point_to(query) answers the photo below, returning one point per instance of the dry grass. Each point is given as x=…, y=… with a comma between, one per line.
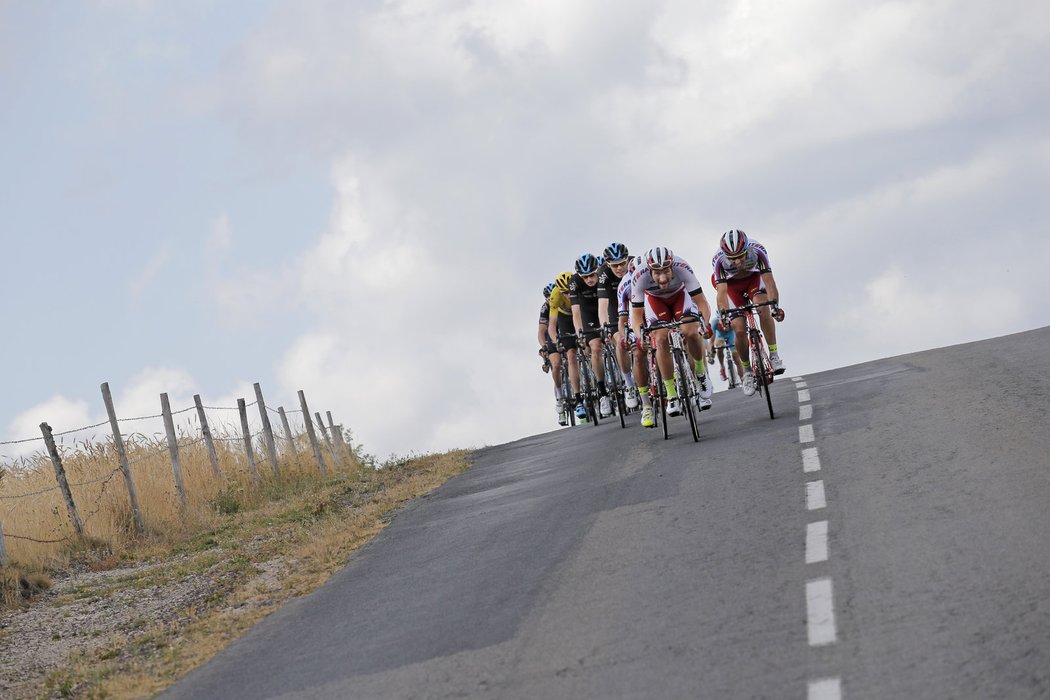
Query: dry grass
x=282, y=540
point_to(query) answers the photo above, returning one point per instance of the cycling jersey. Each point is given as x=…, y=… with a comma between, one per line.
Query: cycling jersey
x=755, y=259
x=623, y=295
x=683, y=278
x=583, y=295
x=559, y=303
x=545, y=313
x=608, y=284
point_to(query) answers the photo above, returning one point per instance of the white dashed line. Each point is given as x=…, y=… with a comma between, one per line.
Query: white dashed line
x=825, y=689
x=805, y=411
x=817, y=542
x=805, y=433
x=810, y=460
x=803, y=395
x=801, y=385
x=815, y=495
x=796, y=379
x=820, y=612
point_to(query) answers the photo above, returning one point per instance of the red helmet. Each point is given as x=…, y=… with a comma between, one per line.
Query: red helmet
x=734, y=243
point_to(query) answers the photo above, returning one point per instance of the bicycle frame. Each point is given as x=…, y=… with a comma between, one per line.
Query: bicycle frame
x=759, y=355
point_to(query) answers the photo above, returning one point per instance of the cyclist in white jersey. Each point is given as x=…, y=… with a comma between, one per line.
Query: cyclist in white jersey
x=666, y=289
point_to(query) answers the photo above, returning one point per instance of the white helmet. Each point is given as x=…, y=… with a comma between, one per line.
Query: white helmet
x=659, y=258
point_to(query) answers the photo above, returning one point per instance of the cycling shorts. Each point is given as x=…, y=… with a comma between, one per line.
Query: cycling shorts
x=672, y=309
x=738, y=286
x=565, y=327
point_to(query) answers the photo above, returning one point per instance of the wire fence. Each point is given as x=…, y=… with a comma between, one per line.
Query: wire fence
x=51, y=514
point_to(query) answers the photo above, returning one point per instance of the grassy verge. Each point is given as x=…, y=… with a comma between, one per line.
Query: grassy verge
x=166, y=607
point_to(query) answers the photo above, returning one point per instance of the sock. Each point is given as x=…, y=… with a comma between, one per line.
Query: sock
x=644, y=391
x=699, y=367
x=773, y=347
x=746, y=364
x=557, y=393
x=672, y=392
x=628, y=380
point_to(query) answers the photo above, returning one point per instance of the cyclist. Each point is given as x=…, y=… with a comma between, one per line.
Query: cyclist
x=640, y=367
x=549, y=351
x=610, y=275
x=560, y=329
x=741, y=266
x=666, y=289
x=583, y=291
x=725, y=340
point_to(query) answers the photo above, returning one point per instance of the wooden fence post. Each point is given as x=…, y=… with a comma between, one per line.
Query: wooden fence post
x=337, y=436
x=310, y=432
x=271, y=446
x=206, y=432
x=4, y=561
x=122, y=454
x=248, y=441
x=288, y=434
x=3, y=549
x=327, y=441
x=173, y=448
x=60, y=477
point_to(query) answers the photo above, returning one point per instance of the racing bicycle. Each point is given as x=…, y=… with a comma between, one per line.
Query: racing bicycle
x=685, y=381
x=757, y=351
x=613, y=379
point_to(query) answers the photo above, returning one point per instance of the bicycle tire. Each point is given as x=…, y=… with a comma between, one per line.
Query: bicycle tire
x=765, y=378
x=614, y=383
x=661, y=391
x=686, y=391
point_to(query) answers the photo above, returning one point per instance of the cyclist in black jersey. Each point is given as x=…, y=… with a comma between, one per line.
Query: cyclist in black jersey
x=609, y=276
x=549, y=351
x=583, y=293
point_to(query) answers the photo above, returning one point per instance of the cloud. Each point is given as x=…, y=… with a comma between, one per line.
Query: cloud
x=149, y=272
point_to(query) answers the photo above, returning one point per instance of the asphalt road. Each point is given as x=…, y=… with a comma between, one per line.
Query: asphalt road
x=597, y=562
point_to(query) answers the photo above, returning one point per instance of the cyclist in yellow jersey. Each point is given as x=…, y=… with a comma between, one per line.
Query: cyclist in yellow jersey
x=561, y=323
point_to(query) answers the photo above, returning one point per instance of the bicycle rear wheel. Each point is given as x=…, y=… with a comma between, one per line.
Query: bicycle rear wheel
x=614, y=382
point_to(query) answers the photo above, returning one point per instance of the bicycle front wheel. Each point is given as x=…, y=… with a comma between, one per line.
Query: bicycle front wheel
x=765, y=377
x=687, y=392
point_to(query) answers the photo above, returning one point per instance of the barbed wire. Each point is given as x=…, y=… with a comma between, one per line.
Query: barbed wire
x=230, y=408
x=19, y=442
x=95, y=481
x=77, y=430
x=26, y=495
x=33, y=539
x=149, y=455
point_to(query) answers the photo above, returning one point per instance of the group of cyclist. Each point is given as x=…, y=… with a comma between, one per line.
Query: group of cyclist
x=612, y=298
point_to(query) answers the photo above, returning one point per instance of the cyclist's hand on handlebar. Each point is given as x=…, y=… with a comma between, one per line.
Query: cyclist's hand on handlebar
x=543, y=353
x=707, y=333
x=778, y=313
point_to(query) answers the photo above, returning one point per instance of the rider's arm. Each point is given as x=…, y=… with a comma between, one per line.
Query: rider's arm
x=637, y=319
x=603, y=310
x=700, y=299
x=541, y=335
x=577, y=318
x=722, y=296
x=771, y=286
x=552, y=329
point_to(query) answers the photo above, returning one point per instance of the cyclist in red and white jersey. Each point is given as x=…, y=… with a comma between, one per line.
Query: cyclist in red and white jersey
x=666, y=289
x=741, y=266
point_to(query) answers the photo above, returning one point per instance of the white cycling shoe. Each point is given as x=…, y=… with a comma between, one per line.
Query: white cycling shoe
x=630, y=398
x=704, y=382
x=702, y=403
x=674, y=406
x=776, y=362
x=604, y=407
x=748, y=382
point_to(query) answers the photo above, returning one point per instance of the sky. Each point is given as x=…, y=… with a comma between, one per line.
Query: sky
x=365, y=199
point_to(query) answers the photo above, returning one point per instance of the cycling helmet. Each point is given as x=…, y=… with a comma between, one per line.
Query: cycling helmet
x=659, y=257
x=615, y=252
x=562, y=281
x=634, y=263
x=734, y=243
x=587, y=264
x=547, y=290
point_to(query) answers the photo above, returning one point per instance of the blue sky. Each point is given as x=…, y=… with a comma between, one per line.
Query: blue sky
x=363, y=200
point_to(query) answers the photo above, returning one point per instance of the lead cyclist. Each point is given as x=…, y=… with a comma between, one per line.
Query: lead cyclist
x=666, y=289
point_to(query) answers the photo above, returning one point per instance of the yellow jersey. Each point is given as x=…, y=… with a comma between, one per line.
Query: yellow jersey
x=560, y=303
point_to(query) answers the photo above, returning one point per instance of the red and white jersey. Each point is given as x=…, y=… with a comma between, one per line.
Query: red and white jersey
x=623, y=295
x=755, y=259
x=683, y=277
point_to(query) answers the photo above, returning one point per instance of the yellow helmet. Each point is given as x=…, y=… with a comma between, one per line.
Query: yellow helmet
x=562, y=281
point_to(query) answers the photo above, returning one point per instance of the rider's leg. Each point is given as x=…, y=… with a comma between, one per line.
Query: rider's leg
x=555, y=360
x=597, y=364
x=624, y=359
x=664, y=361
x=574, y=370
x=641, y=373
